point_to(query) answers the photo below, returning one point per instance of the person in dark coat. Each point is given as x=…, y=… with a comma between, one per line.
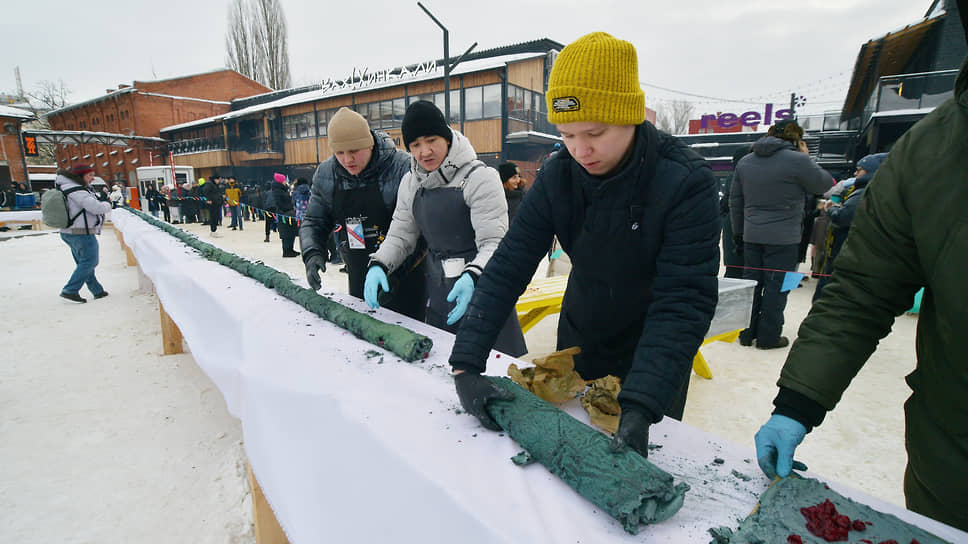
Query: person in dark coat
x=279, y=202
x=356, y=190
x=151, y=195
x=212, y=193
x=840, y=215
x=266, y=198
x=637, y=213
x=766, y=203
x=732, y=253
x=513, y=187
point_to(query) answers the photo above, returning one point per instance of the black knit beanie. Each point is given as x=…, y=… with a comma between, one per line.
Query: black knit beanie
x=507, y=171
x=424, y=119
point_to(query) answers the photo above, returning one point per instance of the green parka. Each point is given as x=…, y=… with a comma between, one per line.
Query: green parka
x=911, y=230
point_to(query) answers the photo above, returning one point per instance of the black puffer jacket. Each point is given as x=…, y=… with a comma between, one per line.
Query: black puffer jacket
x=677, y=260
x=387, y=167
x=278, y=199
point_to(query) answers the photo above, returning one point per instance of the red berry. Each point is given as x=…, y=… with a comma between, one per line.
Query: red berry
x=794, y=539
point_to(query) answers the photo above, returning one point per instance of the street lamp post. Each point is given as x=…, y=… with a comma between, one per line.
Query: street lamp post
x=448, y=66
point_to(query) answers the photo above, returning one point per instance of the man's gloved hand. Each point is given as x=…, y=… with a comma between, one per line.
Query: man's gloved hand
x=633, y=432
x=775, y=443
x=375, y=279
x=462, y=292
x=474, y=392
x=314, y=265
x=738, y=245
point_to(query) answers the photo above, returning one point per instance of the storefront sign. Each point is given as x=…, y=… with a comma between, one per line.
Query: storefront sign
x=363, y=77
x=748, y=118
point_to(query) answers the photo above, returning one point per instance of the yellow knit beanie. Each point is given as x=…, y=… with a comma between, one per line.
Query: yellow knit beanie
x=596, y=78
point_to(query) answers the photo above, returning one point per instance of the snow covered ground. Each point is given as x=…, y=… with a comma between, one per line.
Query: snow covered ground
x=105, y=439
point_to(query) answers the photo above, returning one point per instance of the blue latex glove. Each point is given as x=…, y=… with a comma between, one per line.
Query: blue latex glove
x=775, y=443
x=462, y=292
x=375, y=279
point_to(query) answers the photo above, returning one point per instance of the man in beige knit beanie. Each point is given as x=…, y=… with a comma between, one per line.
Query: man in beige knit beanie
x=354, y=192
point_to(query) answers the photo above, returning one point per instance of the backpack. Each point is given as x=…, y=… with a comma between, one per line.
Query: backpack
x=53, y=208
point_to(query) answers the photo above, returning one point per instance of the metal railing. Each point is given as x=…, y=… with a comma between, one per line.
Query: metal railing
x=910, y=92
x=195, y=145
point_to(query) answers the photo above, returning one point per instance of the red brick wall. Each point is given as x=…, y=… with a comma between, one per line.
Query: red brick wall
x=11, y=151
x=142, y=113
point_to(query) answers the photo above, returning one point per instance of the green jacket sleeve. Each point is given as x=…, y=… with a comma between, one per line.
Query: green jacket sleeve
x=875, y=278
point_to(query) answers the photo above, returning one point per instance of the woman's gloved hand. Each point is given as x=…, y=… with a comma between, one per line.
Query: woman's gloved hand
x=462, y=292
x=314, y=265
x=375, y=279
x=775, y=442
x=474, y=392
x=633, y=432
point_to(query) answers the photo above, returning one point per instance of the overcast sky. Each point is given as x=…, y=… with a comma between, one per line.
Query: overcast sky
x=757, y=51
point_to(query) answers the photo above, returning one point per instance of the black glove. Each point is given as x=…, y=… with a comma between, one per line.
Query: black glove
x=314, y=265
x=633, y=431
x=475, y=391
x=738, y=245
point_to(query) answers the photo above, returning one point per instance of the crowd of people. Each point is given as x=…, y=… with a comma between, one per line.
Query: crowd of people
x=434, y=233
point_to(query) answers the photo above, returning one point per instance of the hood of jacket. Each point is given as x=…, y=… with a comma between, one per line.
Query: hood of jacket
x=301, y=191
x=459, y=156
x=768, y=145
x=66, y=177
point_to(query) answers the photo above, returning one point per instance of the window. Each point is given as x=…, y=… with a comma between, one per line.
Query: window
x=519, y=103
x=399, y=108
x=322, y=121
x=492, y=101
x=296, y=127
x=473, y=103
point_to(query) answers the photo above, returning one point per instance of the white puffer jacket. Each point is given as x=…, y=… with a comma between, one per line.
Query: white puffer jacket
x=483, y=194
x=92, y=219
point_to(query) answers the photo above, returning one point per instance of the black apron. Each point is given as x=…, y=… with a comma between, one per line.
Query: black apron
x=606, y=301
x=445, y=222
x=364, y=205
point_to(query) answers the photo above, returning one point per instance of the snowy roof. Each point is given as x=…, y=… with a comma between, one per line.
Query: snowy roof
x=104, y=96
x=898, y=113
x=9, y=111
x=465, y=67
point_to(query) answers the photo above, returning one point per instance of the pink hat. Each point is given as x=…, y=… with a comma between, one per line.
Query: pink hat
x=280, y=178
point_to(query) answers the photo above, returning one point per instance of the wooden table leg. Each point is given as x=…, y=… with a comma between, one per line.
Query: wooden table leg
x=171, y=337
x=129, y=256
x=267, y=528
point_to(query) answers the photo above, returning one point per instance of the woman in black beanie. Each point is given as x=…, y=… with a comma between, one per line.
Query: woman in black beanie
x=456, y=203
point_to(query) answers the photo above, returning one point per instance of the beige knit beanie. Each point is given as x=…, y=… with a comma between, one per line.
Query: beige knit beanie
x=349, y=131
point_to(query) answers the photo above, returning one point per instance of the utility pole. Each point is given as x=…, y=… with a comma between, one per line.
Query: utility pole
x=448, y=67
x=793, y=105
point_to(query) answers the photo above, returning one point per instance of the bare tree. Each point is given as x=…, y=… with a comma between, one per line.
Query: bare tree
x=240, y=48
x=675, y=118
x=257, y=42
x=47, y=96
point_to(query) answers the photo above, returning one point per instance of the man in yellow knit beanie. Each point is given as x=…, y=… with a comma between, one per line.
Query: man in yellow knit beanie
x=638, y=214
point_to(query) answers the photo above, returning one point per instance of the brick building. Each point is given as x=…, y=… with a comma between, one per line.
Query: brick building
x=496, y=100
x=120, y=130
x=12, y=165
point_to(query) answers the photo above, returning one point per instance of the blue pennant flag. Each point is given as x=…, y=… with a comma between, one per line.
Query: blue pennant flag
x=791, y=280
